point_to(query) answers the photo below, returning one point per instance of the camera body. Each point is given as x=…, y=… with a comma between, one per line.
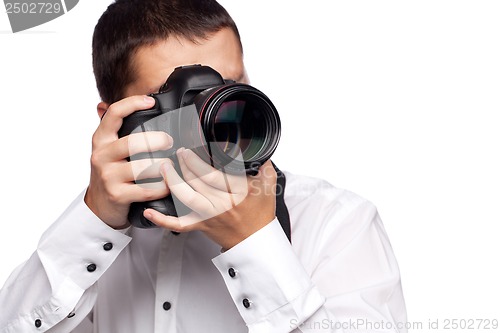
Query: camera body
x=232, y=126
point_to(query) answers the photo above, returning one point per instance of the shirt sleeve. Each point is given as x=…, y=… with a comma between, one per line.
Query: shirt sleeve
x=344, y=279
x=55, y=290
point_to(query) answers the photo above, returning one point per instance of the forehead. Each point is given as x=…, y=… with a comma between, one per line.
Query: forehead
x=153, y=64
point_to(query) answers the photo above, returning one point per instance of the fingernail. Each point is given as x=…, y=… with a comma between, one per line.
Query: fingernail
x=180, y=152
x=149, y=100
x=164, y=168
x=170, y=141
x=186, y=152
x=148, y=215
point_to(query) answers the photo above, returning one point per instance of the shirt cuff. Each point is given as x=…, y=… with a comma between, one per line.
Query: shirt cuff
x=79, y=246
x=267, y=282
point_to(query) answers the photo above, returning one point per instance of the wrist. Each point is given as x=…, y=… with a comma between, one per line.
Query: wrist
x=227, y=238
x=114, y=220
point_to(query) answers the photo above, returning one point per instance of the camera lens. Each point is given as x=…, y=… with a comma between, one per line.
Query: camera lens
x=240, y=123
x=239, y=128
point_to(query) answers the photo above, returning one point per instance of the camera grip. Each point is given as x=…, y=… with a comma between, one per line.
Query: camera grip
x=165, y=206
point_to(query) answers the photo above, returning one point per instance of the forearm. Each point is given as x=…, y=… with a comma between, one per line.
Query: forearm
x=268, y=284
x=342, y=281
x=58, y=282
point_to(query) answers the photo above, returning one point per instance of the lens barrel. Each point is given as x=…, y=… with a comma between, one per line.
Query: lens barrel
x=240, y=124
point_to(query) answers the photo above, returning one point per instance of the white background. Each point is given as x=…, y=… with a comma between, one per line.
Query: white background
x=397, y=101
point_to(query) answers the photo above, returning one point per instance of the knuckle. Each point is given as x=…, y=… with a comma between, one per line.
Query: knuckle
x=114, y=196
x=112, y=110
x=107, y=176
x=95, y=159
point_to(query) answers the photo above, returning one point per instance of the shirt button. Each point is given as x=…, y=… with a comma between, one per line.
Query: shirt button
x=247, y=303
x=167, y=306
x=108, y=246
x=232, y=272
x=38, y=323
x=91, y=268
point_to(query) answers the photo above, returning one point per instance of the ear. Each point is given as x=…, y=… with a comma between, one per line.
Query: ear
x=102, y=107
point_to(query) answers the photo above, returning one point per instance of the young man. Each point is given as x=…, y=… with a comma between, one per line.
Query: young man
x=231, y=268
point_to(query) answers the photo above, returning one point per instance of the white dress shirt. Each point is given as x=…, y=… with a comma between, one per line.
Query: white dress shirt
x=338, y=274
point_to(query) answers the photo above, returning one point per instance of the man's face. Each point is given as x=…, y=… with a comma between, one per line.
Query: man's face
x=153, y=64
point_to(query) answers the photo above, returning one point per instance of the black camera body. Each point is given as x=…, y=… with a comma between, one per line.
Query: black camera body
x=232, y=126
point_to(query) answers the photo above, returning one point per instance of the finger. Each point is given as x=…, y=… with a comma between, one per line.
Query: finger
x=184, y=223
x=185, y=193
x=222, y=200
x=265, y=181
x=113, y=118
x=212, y=176
x=193, y=180
x=267, y=173
x=138, y=143
x=153, y=188
x=129, y=193
x=148, y=142
x=140, y=169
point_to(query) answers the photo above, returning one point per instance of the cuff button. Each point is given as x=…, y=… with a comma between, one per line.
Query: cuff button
x=247, y=303
x=232, y=272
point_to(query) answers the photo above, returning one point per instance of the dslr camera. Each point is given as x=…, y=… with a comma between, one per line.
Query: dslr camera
x=234, y=127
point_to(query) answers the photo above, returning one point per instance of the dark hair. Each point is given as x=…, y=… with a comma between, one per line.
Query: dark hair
x=129, y=24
